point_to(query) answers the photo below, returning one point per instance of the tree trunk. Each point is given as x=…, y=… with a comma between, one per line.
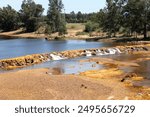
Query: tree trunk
x=145, y=31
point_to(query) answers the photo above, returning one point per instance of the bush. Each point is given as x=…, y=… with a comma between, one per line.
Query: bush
x=91, y=26
x=48, y=30
x=8, y=18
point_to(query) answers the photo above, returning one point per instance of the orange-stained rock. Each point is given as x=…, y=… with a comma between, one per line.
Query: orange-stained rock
x=39, y=58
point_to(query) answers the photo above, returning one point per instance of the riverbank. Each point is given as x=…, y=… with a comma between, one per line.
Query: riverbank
x=74, y=31
x=21, y=34
x=39, y=84
x=70, y=35
x=110, y=83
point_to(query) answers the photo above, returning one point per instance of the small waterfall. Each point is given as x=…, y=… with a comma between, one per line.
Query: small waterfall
x=88, y=53
x=113, y=51
x=56, y=57
x=110, y=51
x=99, y=52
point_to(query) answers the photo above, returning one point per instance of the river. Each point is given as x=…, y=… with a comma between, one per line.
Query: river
x=10, y=48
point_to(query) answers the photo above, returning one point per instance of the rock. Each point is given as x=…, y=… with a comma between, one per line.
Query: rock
x=130, y=75
x=38, y=58
x=144, y=48
x=123, y=80
x=137, y=78
x=4, y=64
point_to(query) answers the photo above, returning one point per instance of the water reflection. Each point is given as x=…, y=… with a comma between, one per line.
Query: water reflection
x=70, y=66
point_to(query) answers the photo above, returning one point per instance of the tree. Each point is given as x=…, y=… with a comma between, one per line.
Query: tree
x=56, y=18
x=146, y=17
x=31, y=14
x=101, y=17
x=8, y=18
x=91, y=26
x=112, y=17
x=137, y=13
x=80, y=17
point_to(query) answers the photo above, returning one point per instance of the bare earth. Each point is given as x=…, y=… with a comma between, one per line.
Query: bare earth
x=110, y=83
x=18, y=34
x=39, y=84
x=72, y=30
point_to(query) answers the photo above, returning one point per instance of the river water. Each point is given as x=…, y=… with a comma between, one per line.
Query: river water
x=10, y=48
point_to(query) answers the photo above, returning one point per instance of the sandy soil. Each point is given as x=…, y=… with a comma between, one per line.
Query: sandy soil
x=110, y=83
x=72, y=30
x=41, y=84
x=18, y=34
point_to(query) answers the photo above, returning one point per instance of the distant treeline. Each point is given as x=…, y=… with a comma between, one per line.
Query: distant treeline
x=127, y=17
x=124, y=16
x=30, y=16
x=79, y=17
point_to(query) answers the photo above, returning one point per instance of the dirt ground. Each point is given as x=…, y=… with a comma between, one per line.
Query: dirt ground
x=40, y=84
x=109, y=83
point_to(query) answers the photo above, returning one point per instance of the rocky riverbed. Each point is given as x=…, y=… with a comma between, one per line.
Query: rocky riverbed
x=111, y=82
x=29, y=60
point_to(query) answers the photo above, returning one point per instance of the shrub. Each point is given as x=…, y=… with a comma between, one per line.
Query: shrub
x=48, y=30
x=91, y=26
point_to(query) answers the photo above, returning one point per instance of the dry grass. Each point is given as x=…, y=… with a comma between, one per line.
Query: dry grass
x=75, y=26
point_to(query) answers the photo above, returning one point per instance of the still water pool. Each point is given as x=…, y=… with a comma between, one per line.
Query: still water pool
x=10, y=48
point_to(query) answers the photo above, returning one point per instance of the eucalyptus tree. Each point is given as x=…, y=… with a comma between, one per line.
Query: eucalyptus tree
x=56, y=17
x=31, y=14
x=111, y=23
x=137, y=13
x=8, y=18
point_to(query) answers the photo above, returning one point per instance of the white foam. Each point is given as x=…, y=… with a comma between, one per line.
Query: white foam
x=99, y=52
x=112, y=51
x=88, y=53
x=56, y=57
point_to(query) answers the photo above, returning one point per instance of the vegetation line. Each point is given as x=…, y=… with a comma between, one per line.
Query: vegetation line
x=126, y=18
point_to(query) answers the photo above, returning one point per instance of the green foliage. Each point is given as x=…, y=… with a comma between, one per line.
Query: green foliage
x=8, y=18
x=31, y=14
x=56, y=19
x=137, y=18
x=112, y=17
x=79, y=17
x=91, y=26
x=48, y=30
x=125, y=16
x=130, y=15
